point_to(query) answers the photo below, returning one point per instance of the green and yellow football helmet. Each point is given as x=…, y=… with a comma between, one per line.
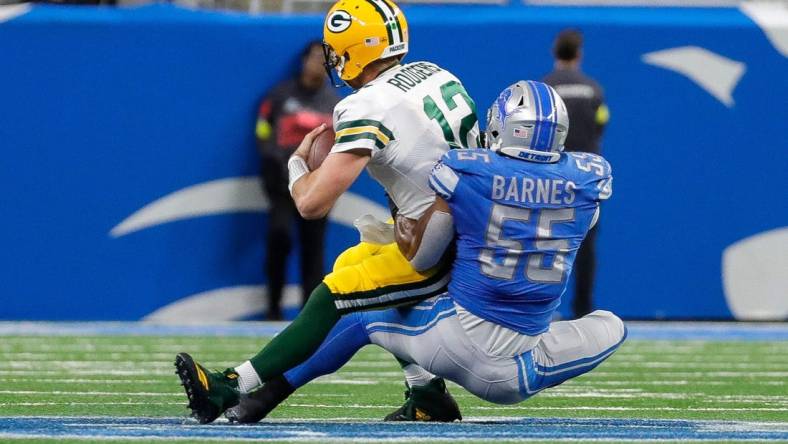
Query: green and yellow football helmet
x=358, y=32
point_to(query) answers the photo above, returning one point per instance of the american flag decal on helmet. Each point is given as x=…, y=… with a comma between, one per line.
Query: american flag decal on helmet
x=520, y=132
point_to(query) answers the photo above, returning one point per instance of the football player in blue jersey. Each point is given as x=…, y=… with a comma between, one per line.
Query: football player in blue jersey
x=517, y=213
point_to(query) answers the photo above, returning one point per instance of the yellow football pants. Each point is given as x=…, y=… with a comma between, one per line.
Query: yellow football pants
x=370, y=276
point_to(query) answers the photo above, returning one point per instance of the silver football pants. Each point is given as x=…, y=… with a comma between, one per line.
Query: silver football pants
x=429, y=334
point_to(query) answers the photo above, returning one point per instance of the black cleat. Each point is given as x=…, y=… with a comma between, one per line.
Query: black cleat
x=427, y=403
x=209, y=393
x=257, y=405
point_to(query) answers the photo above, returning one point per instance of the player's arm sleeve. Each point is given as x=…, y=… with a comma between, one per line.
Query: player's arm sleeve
x=443, y=179
x=360, y=125
x=432, y=234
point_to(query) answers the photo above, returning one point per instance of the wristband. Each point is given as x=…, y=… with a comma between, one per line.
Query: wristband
x=296, y=168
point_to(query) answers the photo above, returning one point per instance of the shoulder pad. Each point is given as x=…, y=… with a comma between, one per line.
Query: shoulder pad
x=467, y=160
x=593, y=165
x=359, y=123
x=594, y=173
x=454, y=165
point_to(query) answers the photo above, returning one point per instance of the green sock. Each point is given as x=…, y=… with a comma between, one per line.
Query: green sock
x=301, y=338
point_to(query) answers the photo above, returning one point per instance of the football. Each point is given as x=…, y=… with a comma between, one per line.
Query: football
x=320, y=148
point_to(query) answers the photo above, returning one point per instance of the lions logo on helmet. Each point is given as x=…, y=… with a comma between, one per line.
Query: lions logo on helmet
x=358, y=32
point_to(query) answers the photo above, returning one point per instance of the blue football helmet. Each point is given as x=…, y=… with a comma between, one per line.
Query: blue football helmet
x=528, y=121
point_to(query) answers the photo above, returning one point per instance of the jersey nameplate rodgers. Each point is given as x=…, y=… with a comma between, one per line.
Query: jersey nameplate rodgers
x=519, y=225
x=407, y=118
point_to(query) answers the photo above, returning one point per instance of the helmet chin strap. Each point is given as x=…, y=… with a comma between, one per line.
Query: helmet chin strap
x=528, y=154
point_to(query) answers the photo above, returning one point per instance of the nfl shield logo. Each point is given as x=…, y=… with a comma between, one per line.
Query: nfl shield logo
x=521, y=133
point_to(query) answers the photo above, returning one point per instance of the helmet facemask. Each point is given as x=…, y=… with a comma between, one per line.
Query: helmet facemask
x=334, y=65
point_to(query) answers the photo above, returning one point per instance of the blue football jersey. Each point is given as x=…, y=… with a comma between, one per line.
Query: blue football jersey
x=519, y=225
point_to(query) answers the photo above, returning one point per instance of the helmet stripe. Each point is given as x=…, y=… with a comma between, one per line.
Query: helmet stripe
x=399, y=28
x=553, y=114
x=549, y=125
x=553, y=119
x=538, y=112
x=397, y=23
x=546, y=125
x=386, y=19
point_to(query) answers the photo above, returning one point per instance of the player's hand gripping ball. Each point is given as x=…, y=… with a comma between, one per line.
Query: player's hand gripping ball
x=320, y=148
x=316, y=146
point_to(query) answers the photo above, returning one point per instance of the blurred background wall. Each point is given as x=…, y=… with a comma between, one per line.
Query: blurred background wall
x=128, y=166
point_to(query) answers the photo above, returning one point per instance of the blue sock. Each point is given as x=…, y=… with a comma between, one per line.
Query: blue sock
x=342, y=342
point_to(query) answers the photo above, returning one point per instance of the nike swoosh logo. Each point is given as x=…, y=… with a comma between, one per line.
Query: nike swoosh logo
x=231, y=195
x=754, y=276
x=772, y=18
x=9, y=12
x=222, y=304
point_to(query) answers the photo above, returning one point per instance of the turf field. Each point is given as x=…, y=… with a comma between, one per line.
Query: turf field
x=116, y=382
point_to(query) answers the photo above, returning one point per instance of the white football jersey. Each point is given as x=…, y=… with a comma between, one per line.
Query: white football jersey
x=407, y=118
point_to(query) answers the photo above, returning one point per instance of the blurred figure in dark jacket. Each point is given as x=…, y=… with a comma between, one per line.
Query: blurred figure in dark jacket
x=292, y=109
x=588, y=116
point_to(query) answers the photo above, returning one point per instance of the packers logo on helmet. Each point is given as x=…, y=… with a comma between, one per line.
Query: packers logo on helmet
x=358, y=32
x=338, y=21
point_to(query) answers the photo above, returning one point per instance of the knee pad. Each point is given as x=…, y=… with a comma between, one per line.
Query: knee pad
x=355, y=255
x=494, y=382
x=614, y=324
x=372, y=267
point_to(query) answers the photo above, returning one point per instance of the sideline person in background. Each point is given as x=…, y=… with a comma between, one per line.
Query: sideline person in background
x=588, y=115
x=292, y=109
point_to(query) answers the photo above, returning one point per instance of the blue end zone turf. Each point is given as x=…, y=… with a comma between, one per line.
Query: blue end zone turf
x=320, y=431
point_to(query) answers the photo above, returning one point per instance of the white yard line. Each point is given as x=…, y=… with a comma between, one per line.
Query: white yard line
x=770, y=401
x=364, y=440
x=611, y=370
x=7, y=360
x=597, y=378
x=703, y=365
x=608, y=372
x=717, y=357
x=523, y=409
x=179, y=394
x=44, y=404
x=109, y=372
x=69, y=364
x=70, y=380
x=86, y=393
x=162, y=357
x=526, y=408
x=591, y=382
